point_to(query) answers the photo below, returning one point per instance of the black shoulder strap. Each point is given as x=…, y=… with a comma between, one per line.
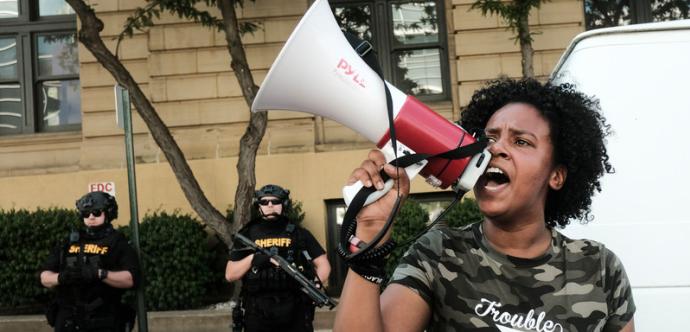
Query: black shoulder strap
x=80, y=254
x=290, y=230
x=64, y=247
x=290, y=227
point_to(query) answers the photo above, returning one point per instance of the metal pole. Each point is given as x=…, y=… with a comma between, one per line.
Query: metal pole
x=133, y=208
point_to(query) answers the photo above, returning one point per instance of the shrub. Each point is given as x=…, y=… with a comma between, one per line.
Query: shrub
x=464, y=213
x=26, y=239
x=411, y=219
x=176, y=261
x=182, y=264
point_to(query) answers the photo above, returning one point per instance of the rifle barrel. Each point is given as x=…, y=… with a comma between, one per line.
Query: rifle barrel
x=308, y=287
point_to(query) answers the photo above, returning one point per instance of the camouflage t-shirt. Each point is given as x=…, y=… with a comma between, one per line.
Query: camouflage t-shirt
x=578, y=285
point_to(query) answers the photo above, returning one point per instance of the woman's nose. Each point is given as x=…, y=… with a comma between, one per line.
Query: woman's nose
x=497, y=148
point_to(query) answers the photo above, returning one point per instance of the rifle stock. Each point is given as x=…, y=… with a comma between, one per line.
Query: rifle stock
x=319, y=296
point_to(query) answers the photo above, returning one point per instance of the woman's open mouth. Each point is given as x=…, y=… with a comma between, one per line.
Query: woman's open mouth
x=494, y=179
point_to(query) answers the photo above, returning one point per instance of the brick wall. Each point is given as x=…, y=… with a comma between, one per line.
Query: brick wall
x=484, y=48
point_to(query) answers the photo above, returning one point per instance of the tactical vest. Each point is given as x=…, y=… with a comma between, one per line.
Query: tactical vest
x=84, y=251
x=273, y=279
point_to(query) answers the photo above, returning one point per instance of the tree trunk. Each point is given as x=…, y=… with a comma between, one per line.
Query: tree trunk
x=249, y=143
x=525, y=46
x=89, y=35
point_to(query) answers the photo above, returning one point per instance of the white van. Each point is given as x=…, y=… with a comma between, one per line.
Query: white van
x=641, y=75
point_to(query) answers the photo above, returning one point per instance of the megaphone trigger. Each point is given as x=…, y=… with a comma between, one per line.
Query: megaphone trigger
x=350, y=191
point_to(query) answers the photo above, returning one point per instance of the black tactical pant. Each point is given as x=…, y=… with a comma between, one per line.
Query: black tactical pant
x=67, y=321
x=289, y=312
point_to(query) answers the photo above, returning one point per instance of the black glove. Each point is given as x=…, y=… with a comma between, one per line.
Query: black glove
x=89, y=273
x=69, y=276
x=261, y=260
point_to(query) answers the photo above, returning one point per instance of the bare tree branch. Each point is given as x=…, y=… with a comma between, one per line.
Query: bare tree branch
x=526, y=50
x=516, y=14
x=249, y=143
x=89, y=35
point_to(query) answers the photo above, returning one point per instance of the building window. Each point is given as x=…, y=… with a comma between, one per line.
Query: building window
x=39, y=67
x=433, y=203
x=9, y=8
x=610, y=13
x=409, y=38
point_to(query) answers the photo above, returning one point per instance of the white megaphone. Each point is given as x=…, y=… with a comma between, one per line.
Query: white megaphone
x=318, y=72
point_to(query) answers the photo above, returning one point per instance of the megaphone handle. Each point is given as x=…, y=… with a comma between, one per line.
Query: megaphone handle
x=350, y=191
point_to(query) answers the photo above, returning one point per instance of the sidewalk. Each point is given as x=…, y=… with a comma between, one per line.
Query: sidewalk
x=164, y=321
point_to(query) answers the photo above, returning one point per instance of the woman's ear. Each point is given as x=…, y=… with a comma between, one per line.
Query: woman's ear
x=558, y=175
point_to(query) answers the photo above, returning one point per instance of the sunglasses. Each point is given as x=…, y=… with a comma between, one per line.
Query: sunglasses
x=272, y=201
x=96, y=213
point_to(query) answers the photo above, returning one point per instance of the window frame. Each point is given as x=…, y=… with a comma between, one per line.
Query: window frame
x=22, y=8
x=19, y=77
x=382, y=34
x=640, y=12
x=26, y=28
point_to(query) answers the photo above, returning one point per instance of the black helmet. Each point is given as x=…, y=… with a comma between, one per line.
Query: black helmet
x=98, y=200
x=273, y=190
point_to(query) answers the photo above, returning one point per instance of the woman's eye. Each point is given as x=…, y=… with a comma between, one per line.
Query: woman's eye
x=521, y=142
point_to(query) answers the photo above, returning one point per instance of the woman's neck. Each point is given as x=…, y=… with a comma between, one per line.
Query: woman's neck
x=524, y=240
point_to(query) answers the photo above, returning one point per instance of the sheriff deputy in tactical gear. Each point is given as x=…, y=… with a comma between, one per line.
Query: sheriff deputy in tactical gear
x=271, y=300
x=91, y=270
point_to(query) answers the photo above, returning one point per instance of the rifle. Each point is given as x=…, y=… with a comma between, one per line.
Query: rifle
x=308, y=287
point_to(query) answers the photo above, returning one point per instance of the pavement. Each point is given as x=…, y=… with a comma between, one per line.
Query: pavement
x=208, y=320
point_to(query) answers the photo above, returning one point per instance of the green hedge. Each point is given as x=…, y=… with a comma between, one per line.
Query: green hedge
x=184, y=266
x=26, y=238
x=464, y=213
x=180, y=267
x=412, y=218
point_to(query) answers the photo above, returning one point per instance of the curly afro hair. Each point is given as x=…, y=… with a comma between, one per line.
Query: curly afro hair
x=578, y=132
